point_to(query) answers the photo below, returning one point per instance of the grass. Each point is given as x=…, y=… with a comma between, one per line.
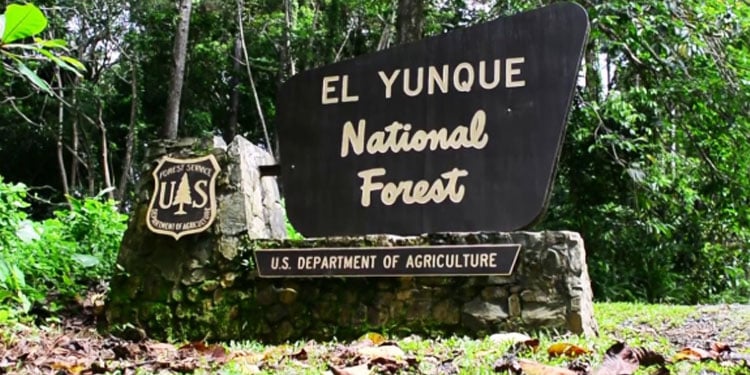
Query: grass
x=659, y=328
x=637, y=324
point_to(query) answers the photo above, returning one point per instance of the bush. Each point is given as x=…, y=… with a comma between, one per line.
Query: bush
x=60, y=255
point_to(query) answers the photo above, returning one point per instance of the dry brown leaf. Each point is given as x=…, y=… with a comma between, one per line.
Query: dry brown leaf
x=301, y=355
x=386, y=351
x=616, y=366
x=566, y=349
x=387, y=365
x=535, y=368
x=374, y=337
x=520, y=366
x=216, y=352
x=246, y=357
x=508, y=364
x=276, y=353
x=694, y=354
x=720, y=347
x=355, y=370
x=620, y=359
x=70, y=368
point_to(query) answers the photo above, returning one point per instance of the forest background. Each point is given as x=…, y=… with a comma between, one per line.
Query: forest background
x=654, y=173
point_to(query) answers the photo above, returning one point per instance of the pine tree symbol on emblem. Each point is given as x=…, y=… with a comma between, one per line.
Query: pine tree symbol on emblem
x=183, y=195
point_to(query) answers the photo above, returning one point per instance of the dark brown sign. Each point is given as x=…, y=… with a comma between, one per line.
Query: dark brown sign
x=459, y=132
x=465, y=260
x=184, y=198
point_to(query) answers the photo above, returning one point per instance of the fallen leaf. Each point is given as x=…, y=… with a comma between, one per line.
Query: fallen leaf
x=215, y=352
x=70, y=368
x=387, y=365
x=387, y=351
x=620, y=359
x=511, y=337
x=694, y=354
x=580, y=367
x=720, y=347
x=447, y=368
x=616, y=366
x=566, y=349
x=532, y=345
x=534, y=368
x=374, y=337
x=508, y=364
x=528, y=367
x=301, y=355
x=355, y=370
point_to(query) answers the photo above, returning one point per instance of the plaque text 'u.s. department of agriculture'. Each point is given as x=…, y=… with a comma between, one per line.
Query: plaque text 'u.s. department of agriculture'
x=464, y=260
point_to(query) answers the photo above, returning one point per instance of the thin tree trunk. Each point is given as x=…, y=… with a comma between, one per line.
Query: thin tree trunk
x=234, y=99
x=409, y=21
x=74, y=160
x=593, y=81
x=172, y=116
x=105, y=155
x=252, y=81
x=290, y=67
x=60, y=123
x=127, y=162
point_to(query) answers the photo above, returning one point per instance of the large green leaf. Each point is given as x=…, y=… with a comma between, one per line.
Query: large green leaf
x=22, y=21
x=2, y=24
x=35, y=79
x=60, y=62
x=74, y=62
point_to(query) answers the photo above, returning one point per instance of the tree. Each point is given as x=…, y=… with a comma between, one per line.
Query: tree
x=409, y=21
x=182, y=197
x=172, y=112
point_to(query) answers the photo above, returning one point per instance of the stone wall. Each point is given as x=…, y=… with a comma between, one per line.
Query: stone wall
x=549, y=289
x=206, y=285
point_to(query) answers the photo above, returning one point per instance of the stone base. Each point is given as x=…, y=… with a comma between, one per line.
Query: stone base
x=550, y=289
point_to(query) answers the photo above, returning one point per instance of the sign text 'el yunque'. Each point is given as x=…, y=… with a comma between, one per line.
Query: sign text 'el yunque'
x=184, y=197
x=458, y=132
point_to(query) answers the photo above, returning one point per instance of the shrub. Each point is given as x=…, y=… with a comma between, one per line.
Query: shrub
x=59, y=255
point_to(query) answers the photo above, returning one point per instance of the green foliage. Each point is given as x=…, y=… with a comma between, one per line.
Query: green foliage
x=655, y=171
x=656, y=168
x=13, y=285
x=24, y=21
x=291, y=232
x=59, y=255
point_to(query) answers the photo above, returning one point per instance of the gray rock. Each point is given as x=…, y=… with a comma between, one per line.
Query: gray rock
x=256, y=203
x=481, y=315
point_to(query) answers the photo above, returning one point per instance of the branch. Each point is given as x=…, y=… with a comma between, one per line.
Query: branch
x=250, y=76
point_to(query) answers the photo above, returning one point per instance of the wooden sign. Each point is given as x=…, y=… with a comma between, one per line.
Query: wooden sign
x=184, y=198
x=465, y=260
x=458, y=132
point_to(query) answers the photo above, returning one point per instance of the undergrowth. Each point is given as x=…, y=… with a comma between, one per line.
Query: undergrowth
x=62, y=254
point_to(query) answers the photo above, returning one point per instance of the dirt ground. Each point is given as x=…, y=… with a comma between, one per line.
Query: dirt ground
x=73, y=346
x=710, y=323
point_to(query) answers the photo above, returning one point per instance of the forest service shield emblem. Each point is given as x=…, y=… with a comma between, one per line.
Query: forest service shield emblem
x=184, y=197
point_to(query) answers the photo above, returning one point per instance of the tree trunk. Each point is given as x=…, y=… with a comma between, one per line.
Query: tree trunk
x=105, y=155
x=75, y=159
x=234, y=98
x=409, y=21
x=127, y=163
x=172, y=116
x=288, y=62
x=60, y=128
